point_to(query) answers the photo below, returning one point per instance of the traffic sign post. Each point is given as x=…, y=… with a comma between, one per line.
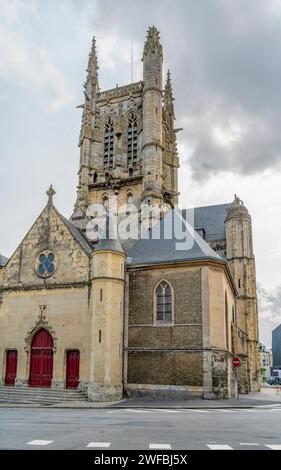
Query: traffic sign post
x=236, y=362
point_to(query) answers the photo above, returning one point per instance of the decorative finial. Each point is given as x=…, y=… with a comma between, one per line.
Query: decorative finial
x=152, y=43
x=50, y=193
x=237, y=200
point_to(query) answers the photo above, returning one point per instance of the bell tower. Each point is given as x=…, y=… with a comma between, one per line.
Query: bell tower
x=128, y=149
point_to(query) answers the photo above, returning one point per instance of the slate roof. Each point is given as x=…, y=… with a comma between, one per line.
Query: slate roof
x=209, y=218
x=165, y=243
x=3, y=260
x=79, y=236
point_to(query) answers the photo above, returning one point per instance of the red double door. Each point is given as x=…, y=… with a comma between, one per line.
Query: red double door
x=11, y=367
x=72, y=369
x=41, y=360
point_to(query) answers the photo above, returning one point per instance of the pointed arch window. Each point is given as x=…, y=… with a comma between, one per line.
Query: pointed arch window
x=132, y=139
x=108, y=143
x=164, y=302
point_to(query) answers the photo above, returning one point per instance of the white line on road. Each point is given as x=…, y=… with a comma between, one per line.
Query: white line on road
x=137, y=411
x=39, y=442
x=162, y=410
x=160, y=446
x=99, y=444
x=198, y=411
x=274, y=446
x=219, y=447
x=268, y=406
x=249, y=444
x=225, y=411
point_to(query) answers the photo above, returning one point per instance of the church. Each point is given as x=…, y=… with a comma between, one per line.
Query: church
x=131, y=296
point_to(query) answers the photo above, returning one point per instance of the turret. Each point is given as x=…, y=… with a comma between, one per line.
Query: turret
x=152, y=117
x=239, y=251
x=239, y=231
x=107, y=315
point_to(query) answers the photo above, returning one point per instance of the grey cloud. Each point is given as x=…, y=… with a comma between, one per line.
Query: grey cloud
x=225, y=58
x=269, y=311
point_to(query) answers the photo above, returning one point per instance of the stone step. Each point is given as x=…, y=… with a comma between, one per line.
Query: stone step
x=46, y=396
x=32, y=390
x=42, y=397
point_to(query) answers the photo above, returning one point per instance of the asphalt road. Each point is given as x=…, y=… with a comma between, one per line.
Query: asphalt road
x=116, y=429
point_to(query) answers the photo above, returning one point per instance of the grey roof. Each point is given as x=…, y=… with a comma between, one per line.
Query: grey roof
x=79, y=236
x=109, y=239
x=209, y=218
x=3, y=260
x=170, y=240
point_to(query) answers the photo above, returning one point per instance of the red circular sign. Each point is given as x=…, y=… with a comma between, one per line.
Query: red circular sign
x=236, y=362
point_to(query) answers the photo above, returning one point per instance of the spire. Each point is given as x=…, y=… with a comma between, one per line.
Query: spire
x=168, y=94
x=152, y=44
x=91, y=88
x=92, y=80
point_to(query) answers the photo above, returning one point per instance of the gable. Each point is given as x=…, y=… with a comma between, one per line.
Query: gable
x=50, y=233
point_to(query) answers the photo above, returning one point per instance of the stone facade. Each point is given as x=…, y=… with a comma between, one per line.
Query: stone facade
x=92, y=297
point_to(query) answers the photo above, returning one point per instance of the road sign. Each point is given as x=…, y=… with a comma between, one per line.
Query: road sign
x=236, y=362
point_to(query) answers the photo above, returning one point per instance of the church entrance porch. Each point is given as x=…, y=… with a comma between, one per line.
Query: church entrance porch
x=41, y=360
x=72, y=369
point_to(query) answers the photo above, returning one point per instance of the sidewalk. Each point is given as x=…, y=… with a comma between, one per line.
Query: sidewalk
x=266, y=398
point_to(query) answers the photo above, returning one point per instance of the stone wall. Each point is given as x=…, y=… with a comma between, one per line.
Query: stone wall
x=165, y=355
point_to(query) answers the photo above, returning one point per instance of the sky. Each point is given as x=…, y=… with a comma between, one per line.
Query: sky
x=225, y=62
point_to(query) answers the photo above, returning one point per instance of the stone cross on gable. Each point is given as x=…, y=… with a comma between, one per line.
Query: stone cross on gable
x=50, y=193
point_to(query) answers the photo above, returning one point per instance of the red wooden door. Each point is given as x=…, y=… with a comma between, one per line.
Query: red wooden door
x=11, y=367
x=41, y=360
x=72, y=369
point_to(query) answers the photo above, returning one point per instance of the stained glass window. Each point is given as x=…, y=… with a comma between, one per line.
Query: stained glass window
x=45, y=264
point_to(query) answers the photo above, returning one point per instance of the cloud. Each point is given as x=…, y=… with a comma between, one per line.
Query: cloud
x=24, y=62
x=269, y=311
x=226, y=62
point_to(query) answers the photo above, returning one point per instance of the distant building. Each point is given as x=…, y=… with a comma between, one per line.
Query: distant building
x=265, y=361
x=276, y=346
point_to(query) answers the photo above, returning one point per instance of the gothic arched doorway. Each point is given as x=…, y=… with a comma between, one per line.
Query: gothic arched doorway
x=41, y=359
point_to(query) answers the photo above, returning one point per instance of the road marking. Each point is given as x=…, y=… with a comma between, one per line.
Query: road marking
x=225, y=411
x=137, y=411
x=99, y=444
x=115, y=411
x=39, y=442
x=268, y=406
x=248, y=444
x=274, y=446
x=162, y=410
x=199, y=411
x=160, y=446
x=219, y=447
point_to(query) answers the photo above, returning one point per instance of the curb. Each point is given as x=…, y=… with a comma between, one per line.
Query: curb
x=137, y=407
